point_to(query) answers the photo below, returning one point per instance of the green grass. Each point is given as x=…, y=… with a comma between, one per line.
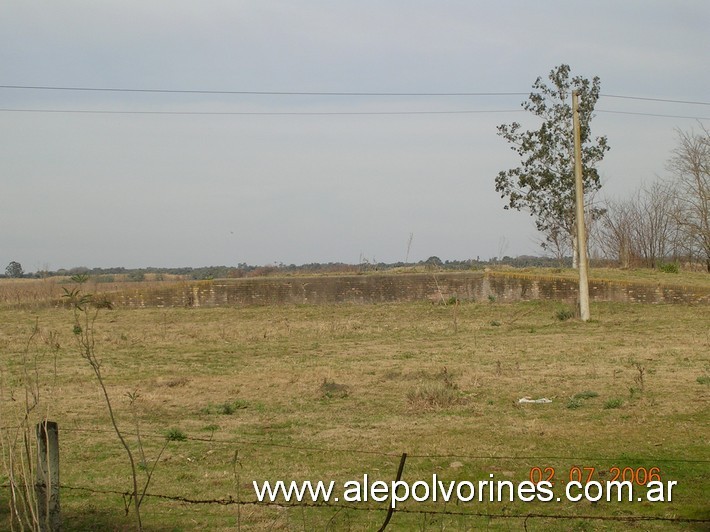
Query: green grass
x=634, y=275
x=334, y=392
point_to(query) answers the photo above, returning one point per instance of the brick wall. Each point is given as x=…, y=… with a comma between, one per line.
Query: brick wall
x=478, y=286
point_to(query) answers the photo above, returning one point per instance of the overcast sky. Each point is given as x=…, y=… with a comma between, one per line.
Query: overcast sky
x=137, y=190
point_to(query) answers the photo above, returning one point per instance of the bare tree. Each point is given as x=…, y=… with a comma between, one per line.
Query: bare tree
x=642, y=230
x=655, y=234
x=560, y=244
x=614, y=235
x=690, y=167
x=557, y=242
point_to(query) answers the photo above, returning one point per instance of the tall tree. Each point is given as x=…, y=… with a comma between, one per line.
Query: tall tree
x=14, y=269
x=544, y=182
x=690, y=166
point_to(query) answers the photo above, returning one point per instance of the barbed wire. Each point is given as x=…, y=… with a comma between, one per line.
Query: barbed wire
x=394, y=454
x=229, y=500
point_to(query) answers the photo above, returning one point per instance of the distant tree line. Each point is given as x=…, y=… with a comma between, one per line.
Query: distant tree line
x=246, y=270
x=667, y=221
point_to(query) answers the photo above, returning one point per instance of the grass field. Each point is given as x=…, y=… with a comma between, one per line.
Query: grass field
x=335, y=392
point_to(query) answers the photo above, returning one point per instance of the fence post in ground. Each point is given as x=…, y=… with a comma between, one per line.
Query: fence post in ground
x=47, y=477
x=390, y=511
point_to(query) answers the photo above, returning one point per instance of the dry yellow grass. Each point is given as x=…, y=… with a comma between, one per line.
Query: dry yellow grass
x=333, y=392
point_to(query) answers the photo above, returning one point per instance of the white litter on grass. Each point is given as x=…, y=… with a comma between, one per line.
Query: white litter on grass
x=542, y=400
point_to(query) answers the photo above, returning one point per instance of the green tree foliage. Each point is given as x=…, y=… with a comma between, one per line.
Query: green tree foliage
x=14, y=269
x=544, y=182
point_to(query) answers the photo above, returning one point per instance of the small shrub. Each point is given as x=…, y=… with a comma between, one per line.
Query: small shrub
x=669, y=267
x=175, y=435
x=491, y=299
x=613, y=403
x=453, y=300
x=495, y=323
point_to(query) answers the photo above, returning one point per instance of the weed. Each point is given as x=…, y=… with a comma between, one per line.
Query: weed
x=495, y=323
x=564, y=314
x=574, y=403
x=332, y=390
x=19, y=463
x=435, y=395
x=639, y=377
x=392, y=374
x=179, y=381
x=227, y=408
x=440, y=392
x=586, y=395
x=613, y=403
x=85, y=309
x=175, y=435
x=578, y=399
x=703, y=379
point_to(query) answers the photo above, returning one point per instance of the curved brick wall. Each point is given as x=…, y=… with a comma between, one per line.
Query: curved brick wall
x=476, y=286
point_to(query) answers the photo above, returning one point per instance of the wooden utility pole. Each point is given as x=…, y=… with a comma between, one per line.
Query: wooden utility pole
x=581, y=229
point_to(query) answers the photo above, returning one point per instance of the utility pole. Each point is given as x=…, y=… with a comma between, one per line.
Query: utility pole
x=581, y=230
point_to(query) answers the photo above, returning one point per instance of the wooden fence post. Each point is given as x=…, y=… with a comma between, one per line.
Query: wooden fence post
x=390, y=511
x=47, y=478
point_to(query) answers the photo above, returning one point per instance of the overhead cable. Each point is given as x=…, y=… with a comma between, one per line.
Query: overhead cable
x=321, y=93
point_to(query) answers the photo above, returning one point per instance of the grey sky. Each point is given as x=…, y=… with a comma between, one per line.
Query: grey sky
x=141, y=190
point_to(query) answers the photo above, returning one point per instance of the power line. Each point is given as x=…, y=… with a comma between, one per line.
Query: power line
x=318, y=113
x=322, y=93
x=257, y=113
x=665, y=100
x=257, y=93
x=652, y=114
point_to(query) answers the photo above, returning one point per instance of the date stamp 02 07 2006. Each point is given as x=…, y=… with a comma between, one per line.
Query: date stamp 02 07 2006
x=585, y=477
